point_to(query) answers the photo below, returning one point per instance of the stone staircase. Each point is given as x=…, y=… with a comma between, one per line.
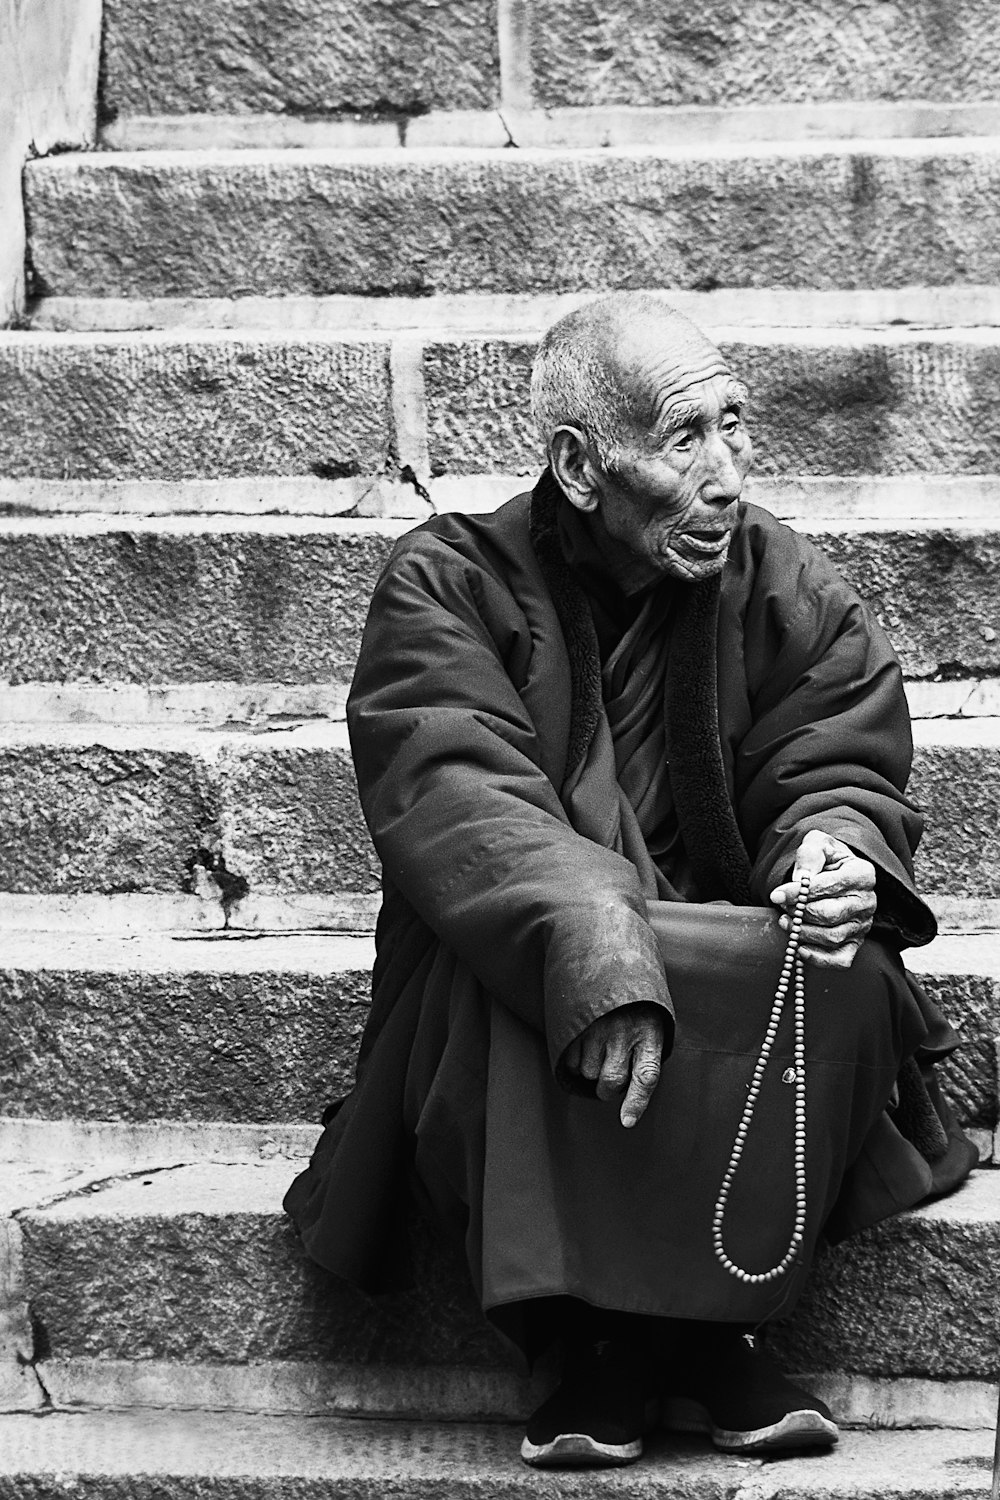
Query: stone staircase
x=286, y=309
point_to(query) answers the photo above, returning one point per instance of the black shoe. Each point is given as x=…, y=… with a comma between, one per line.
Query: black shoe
x=596, y=1416
x=736, y=1393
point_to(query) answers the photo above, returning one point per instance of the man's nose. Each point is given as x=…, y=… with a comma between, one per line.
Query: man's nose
x=724, y=481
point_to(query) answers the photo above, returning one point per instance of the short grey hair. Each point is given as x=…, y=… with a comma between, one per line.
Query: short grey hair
x=570, y=384
x=574, y=381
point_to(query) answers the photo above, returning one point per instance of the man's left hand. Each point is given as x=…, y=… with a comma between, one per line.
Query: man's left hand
x=841, y=905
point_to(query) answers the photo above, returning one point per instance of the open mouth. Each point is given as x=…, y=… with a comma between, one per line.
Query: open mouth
x=707, y=543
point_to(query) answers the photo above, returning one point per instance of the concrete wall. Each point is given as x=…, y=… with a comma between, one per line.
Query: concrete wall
x=49, y=56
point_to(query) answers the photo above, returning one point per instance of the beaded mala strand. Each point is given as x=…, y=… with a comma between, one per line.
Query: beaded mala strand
x=791, y=974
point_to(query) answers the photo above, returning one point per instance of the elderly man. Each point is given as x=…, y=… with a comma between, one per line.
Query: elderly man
x=622, y=697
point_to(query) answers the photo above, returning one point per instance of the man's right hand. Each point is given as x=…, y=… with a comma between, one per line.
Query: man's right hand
x=621, y=1051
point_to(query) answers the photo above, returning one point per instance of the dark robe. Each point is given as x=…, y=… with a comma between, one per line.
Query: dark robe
x=528, y=799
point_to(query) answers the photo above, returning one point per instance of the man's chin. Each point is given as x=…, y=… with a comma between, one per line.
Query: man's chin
x=687, y=569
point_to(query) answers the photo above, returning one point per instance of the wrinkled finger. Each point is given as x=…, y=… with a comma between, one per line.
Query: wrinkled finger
x=848, y=879
x=830, y=958
x=645, y=1077
x=785, y=895
x=815, y=852
x=591, y=1055
x=614, y=1074
x=837, y=910
x=829, y=938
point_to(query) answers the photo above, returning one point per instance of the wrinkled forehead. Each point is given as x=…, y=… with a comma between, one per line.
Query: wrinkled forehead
x=664, y=363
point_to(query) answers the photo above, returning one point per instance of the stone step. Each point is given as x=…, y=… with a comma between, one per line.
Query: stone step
x=262, y=705
x=422, y=221
x=106, y=599
x=563, y=128
x=178, y=404
x=239, y=1026
x=251, y=1025
x=954, y=306
x=188, y=1455
x=155, y=809
x=158, y=809
x=194, y=1262
x=310, y=60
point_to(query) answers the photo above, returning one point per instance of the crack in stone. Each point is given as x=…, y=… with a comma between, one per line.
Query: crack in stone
x=48, y=1405
x=408, y=476
x=97, y=1184
x=510, y=141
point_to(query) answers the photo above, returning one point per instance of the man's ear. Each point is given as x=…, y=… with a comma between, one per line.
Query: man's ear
x=574, y=468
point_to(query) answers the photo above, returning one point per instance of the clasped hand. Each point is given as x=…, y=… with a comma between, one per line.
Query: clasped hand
x=621, y=1052
x=841, y=905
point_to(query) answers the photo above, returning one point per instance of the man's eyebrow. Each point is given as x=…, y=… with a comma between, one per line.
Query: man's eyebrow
x=736, y=393
x=677, y=414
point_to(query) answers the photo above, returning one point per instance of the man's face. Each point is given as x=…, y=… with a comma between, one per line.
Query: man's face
x=669, y=506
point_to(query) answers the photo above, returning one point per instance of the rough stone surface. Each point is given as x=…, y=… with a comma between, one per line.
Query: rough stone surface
x=291, y=820
x=959, y=791
x=242, y=1032
x=971, y=1000
x=234, y=1456
x=288, y=604
x=284, y=816
x=415, y=223
x=232, y=1285
x=137, y=1045
x=586, y=52
x=176, y=407
x=897, y=572
x=969, y=1080
x=97, y=818
x=158, y=605
x=864, y=406
x=299, y=57
x=197, y=1264
x=935, y=1282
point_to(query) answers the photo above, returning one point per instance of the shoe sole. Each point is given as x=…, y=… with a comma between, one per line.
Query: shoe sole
x=797, y=1429
x=577, y=1450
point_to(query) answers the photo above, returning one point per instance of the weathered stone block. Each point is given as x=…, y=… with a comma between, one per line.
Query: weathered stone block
x=278, y=603
x=232, y=1455
x=858, y=405
x=283, y=813
x=184, y=407
x=98, y=817
x=970, y=1000
x=898, y=571
x=142, y=1044
x=959, y=791
x=934, y=1278
x=299, y=57
x=286, y=602
x=219, y=1275
x=197, y=1264
x=594, y=52
x=291, y=820
x=418, y=223
x=969, y=1080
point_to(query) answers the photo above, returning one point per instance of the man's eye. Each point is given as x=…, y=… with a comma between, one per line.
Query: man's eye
x=682, y=440
x=730, y=422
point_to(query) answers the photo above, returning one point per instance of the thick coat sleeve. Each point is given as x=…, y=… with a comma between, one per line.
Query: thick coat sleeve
x=830, y=745
x=466, y=823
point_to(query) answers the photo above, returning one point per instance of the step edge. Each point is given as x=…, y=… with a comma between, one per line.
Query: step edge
x=747, y=307
x=456, y=1392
